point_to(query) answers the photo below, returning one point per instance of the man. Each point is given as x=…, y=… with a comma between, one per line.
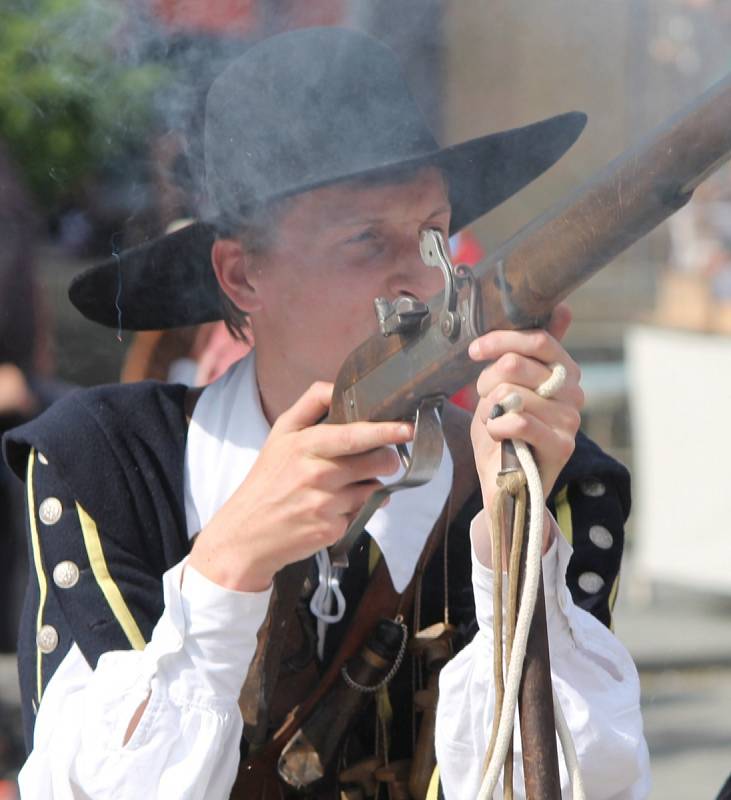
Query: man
x=323, y=176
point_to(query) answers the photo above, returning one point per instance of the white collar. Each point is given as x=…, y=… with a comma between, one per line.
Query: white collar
x=226, y=432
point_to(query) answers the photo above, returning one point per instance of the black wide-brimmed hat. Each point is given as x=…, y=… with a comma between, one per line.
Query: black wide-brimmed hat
x=298, y=111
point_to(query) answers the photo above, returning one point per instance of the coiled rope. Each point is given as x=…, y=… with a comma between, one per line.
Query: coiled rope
x=500, y=747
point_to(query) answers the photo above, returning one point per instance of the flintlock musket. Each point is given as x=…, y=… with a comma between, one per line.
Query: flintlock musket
x=422, y=349
x=420, y=355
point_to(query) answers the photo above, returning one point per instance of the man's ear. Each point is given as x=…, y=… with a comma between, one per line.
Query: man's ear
x=234, y=266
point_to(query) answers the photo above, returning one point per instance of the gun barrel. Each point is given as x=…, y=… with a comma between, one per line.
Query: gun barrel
x=521, y=282
x=565, y=246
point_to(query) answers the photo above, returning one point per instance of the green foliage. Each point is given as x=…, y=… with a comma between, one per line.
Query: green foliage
x=68, y=100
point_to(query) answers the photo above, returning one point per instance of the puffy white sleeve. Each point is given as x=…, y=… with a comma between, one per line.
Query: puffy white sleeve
x=186, y=744
x=594, y=678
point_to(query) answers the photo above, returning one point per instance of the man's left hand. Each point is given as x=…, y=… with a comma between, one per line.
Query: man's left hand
x=519, y=363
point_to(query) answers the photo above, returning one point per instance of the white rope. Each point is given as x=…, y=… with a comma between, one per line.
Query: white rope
x=328, y=589
x=550, y=386
x=569, y=751
x=525, y=613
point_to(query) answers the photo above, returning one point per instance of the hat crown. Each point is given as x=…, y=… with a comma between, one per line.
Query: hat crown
x=307, y=108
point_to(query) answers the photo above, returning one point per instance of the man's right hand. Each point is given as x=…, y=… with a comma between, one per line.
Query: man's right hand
x=304, y=489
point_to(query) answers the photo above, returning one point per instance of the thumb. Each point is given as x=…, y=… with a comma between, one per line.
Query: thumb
x=307, y=411
x=560, y=321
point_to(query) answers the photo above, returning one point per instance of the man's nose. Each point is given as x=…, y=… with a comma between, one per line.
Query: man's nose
x=411, y=276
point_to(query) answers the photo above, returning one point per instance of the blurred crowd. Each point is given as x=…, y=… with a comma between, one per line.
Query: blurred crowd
x=701, y=235
x=695, y=293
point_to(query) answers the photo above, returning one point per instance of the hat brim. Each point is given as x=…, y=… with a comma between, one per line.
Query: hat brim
x=169, y=281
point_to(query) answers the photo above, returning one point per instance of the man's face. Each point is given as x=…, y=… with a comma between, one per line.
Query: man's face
x=335, y=249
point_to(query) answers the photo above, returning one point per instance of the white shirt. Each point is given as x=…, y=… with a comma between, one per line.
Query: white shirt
x=595, y=680
x=186, y=745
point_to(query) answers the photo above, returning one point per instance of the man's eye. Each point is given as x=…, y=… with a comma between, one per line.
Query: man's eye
x=363, y=236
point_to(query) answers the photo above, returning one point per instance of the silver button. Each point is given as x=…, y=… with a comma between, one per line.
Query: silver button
x=601, y=537
x=590, y=582
x=43, y=459
x=65, y=574
x=47, y=639
x=592, y=487
x=50, y=511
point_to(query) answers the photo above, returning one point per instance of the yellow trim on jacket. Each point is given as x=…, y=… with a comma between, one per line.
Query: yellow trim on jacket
x=38, y=564
x=109, y=588
x=563, y=515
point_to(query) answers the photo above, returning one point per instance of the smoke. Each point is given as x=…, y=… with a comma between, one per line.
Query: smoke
x=104, y=104
x=70, y=99
x=105, y=108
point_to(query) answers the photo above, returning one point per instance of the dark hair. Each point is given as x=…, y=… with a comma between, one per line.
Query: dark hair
x=256, y=231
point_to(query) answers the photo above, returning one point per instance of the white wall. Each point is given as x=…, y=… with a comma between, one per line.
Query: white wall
x=680, y=403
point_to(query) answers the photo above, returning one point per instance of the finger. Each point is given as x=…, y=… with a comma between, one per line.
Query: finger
x=366, y=466
x=560, y=321
x=355, y=496
x=307, y=411
x=349, y=500
x=512, y=368
x=546, y=441
x=537, y=344
x=556, y=413
x=333, y=441
x=333, y=473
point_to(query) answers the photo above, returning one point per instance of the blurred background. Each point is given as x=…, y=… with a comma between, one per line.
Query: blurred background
x=101, y=105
